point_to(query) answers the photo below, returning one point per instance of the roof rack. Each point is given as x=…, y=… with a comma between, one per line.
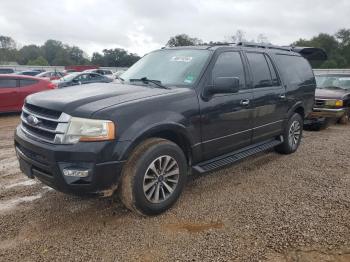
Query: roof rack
x=267, y=46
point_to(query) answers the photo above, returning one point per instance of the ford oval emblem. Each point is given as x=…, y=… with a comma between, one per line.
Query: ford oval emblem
x=32, y=120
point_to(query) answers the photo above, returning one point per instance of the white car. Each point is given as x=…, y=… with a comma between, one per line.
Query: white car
x=105, y=72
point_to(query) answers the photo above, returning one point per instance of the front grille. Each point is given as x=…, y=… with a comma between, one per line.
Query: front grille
x=43, y=124
x=320, y=103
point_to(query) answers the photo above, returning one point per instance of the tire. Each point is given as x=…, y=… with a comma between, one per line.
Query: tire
x=292, y=135
x=318, y=126
x=344, y=120
x=145, y=188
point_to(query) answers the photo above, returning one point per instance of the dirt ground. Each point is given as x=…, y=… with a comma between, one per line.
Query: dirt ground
x=270, y=207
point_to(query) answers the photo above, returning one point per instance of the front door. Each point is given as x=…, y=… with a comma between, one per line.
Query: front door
x=226, y=119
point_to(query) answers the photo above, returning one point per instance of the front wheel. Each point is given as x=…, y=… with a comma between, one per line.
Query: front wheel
x=153, y=177
x=291, y=135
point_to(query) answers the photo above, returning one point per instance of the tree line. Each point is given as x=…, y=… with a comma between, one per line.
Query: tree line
x=337, y=46
x=56, y=53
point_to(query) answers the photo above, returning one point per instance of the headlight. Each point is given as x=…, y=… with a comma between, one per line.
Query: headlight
x=336, y=103
x=81, y=129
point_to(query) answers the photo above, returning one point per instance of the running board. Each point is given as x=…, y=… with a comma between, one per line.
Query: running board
x=230, y=158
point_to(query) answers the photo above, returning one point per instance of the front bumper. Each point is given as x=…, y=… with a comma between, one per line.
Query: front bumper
x=46, y=162
x=327, y=113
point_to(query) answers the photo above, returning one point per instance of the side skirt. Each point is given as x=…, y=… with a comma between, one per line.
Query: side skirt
x=233, y=157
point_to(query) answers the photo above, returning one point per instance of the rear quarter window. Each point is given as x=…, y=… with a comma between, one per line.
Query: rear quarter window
x=27, y=82
x=295, y=69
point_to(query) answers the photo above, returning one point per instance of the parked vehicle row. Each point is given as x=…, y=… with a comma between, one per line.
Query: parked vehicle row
x=175, y=112
x=15, y=88
x=13, y=92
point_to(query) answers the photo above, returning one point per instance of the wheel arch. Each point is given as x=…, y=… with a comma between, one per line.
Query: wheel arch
x=173, y=132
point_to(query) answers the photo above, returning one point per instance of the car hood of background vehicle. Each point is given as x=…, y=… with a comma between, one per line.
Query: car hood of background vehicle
x=325, y=93
x=84, y=100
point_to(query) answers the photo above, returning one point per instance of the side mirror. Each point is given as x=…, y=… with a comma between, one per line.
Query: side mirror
x=223, y=85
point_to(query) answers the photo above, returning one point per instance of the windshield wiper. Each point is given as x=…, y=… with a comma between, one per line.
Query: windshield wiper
x=146, y=81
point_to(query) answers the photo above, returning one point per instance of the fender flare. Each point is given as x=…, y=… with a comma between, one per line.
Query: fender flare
x=151, y=131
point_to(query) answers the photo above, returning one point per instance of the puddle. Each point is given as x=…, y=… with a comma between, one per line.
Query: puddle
x=28, y=182
x=12, y=203
x=194, y=227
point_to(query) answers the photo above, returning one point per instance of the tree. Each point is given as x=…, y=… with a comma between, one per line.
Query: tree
x=7, y=42
x=262, y=39
x=238, y=37
x=183, y=40
x=51, y=49
x=114, y=57
x=76, y=55
x=97, y=59
x=39, y=61
x=27, y=53
x=332, y=47
x=8, y=51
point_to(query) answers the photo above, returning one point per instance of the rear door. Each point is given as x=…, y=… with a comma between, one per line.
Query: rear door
x=269, y=97
x=9, y=100
x=27, y=87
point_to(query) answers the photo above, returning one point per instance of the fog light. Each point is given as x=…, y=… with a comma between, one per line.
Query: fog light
x=76, y=172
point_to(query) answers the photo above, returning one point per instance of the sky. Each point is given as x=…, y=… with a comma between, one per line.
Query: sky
x=141, y=26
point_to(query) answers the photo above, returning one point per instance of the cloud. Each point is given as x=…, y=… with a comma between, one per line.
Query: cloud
x=141, y=26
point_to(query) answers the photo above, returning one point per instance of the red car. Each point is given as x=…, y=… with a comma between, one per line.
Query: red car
x=15, y=88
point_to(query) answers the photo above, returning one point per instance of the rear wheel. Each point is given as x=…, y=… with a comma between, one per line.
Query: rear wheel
x=153, y=177
x=291, y=135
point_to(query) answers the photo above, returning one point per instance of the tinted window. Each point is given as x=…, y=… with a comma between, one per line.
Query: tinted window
x=274, y=77
x=30, y=73
x=83, y=77
x=27, y=82
x=8, y=82
x=229, y=64
x=295, y=69
x=95, y=76
x=260, y=70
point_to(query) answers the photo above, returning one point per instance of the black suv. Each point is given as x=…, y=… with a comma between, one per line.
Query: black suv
x=177, y=111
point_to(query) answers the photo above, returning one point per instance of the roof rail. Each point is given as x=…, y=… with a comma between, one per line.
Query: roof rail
x=261, y=45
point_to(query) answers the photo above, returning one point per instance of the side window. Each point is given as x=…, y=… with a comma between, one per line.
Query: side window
x=27, y=82
x=8, y=83
x=94, y=76
x=229, y=64
x=83, y=77
x=295, y=69
x=274, y=77
x=260, y=70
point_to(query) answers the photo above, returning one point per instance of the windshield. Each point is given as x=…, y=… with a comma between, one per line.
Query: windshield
x=174, y=67
x=339, y=81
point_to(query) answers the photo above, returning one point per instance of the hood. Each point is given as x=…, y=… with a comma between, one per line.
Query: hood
x=84, y=100
x=324, y=93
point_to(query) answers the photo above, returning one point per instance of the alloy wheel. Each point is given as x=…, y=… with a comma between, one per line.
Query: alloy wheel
x=161, y=179
x=294, y=133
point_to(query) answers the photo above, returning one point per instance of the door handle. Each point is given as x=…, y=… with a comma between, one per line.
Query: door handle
x=245, y=102
x=282, y=96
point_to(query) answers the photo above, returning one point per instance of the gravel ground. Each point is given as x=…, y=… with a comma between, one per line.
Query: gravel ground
x=270, y=207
